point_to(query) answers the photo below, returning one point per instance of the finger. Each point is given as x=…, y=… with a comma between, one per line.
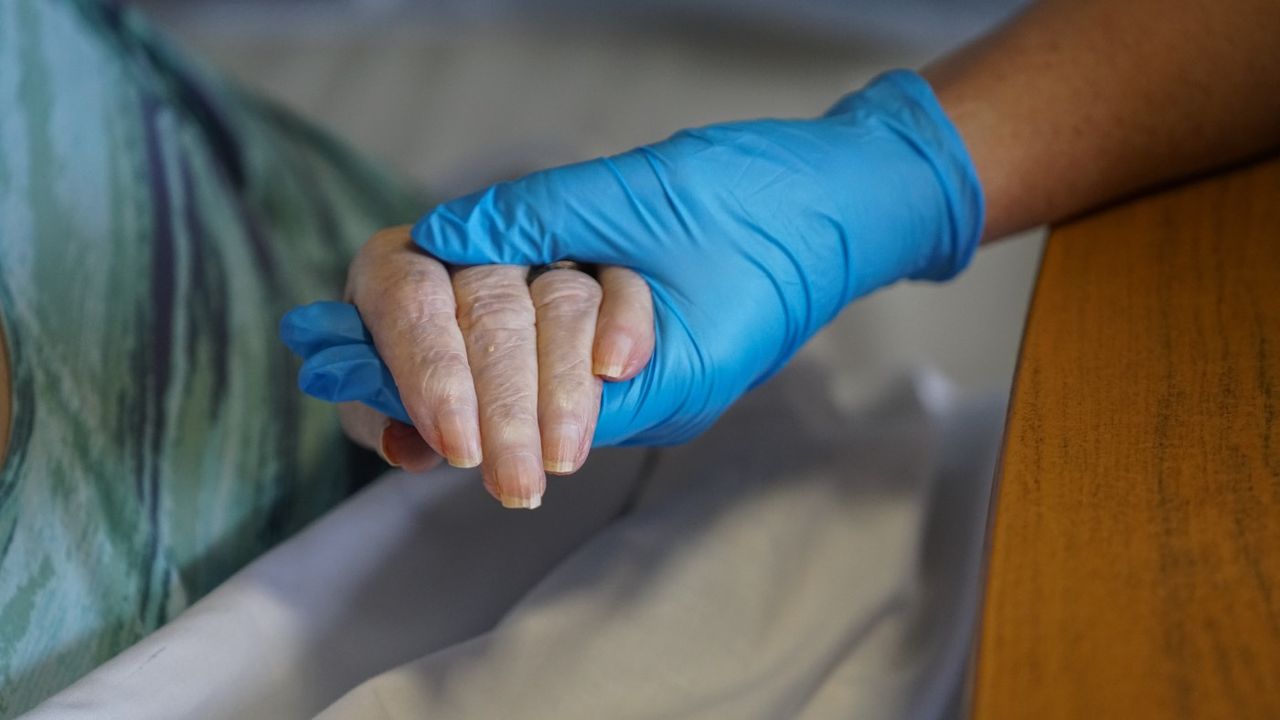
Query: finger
x=363, y=425
x=311, y=328
x=398, y=444
x=624, y=332
x=352, y=372
x=496, y=316
x=402, y=446
x=406, y=299
x=566, y=302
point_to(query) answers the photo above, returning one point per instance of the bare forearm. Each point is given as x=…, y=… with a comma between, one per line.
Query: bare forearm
x=1076, y=102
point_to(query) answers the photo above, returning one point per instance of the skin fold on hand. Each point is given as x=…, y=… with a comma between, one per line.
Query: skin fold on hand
x=494, y=371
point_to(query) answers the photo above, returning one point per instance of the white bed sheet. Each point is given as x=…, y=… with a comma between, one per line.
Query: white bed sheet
x=796, y=561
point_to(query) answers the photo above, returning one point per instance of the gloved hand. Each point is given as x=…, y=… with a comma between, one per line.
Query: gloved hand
x=752, y=236
x=483, y=365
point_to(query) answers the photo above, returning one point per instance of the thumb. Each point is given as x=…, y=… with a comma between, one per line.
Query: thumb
x=590, y=212
x=670, y=401
x=640, y=411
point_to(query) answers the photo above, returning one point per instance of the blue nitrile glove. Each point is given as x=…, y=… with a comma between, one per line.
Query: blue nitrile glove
x=752, y=235
x=340, y=363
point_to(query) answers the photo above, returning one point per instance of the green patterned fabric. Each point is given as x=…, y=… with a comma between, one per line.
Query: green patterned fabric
x=155, y=223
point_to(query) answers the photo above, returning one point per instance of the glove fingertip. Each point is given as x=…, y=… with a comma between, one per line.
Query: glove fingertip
x=352, y=373
x=343, y=373
x=294, y=334
x=314, y=384
x=320, y=383
x=309, y=329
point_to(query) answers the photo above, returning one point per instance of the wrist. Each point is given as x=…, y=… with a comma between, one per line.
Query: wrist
x=926, y=188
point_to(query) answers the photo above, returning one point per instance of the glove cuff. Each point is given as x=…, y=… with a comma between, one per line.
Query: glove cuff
x=903, y=102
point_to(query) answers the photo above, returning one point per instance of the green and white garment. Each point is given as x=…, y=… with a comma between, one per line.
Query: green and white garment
x=155, y=223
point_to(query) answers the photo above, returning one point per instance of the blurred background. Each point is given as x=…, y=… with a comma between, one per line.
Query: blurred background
x=456, y=94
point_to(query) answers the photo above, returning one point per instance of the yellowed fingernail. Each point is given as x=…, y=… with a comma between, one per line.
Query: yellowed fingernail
x=461, y=443
x=617, y=351
x=520, y=480
x=515, y=503
x=560, y=449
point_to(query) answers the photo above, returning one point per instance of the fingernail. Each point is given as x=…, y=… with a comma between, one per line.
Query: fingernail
x=616, y=352
x=460, y=439
x=560, y=448
x=520, y=481
x=385, y=447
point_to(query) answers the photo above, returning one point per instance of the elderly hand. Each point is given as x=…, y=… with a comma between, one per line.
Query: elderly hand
x=489, y=368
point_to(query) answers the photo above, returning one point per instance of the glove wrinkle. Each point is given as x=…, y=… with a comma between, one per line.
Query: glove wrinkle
x=752, y=236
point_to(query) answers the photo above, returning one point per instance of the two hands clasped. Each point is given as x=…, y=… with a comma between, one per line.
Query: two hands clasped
x=492, y=369
x=721, y=250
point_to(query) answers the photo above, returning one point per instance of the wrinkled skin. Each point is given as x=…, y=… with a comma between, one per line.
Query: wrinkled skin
x=493, y=370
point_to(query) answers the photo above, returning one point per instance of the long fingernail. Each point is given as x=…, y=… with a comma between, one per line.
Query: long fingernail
x=520, y=481
x=560, y=448
x=616, y=351
x=460, y=439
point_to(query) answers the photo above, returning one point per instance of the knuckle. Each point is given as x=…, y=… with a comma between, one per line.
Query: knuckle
x=498, y=343
x=435, y=393
x=621, y=279
x=401, y=292
x=577, y=370
x=631, y=313
x=572, y=395
x=390, y=237
x=479, y=278
x=444, y=358
x=445, y=376
x=495, y=310
x=635, y=298
x=512, y=414
x=421, y=307
x=570, y=290
x=382, y=242
x=413, y=326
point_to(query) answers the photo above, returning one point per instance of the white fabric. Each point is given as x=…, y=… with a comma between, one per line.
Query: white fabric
x=797, y=561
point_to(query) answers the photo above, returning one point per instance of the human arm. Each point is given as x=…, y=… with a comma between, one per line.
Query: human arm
x=755, y=234
x=1074, y=103
x=1069, y=105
